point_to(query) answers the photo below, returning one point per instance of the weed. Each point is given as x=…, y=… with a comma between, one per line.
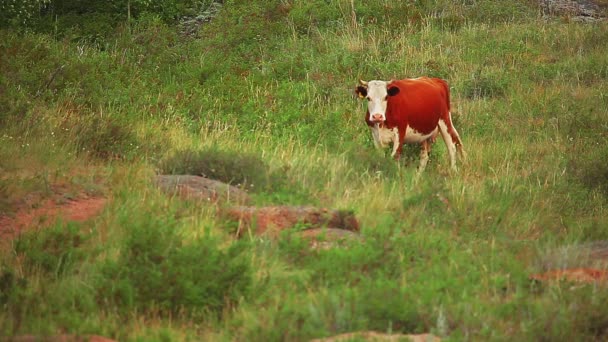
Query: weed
x=483, y=85
x=241, y=169
x=53, y=251
x=155, y=271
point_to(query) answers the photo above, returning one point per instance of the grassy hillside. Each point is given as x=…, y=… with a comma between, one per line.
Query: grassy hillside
x=265, y=90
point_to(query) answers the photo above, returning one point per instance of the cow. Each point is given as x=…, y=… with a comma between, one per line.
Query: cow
x=410, y=111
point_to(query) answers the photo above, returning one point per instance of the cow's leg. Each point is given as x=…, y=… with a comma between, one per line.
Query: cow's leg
x=449, y=143
x=425, y=147
x=396, y=144
x=376, y=137
x=400, y=141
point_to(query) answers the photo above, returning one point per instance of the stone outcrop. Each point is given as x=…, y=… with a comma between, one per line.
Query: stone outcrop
x=189, y=26
x=576, y=10
x=201, y=188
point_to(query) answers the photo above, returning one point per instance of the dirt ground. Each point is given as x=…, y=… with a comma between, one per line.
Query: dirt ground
x=48, y=212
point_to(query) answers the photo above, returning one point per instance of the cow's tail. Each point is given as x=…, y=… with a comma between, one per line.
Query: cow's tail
x=451, y=129
x=446, y=88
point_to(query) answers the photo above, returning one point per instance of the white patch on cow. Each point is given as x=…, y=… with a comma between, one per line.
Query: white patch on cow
x=424, y=156
x=384, y=136
x=412, y=136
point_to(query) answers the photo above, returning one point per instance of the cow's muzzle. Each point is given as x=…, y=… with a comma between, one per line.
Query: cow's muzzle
x=377, y=118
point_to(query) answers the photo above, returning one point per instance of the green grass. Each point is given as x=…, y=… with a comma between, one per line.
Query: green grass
x=253, y=103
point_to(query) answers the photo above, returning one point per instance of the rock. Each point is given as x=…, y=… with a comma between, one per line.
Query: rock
x=189, y=26
x=201, y=188
x=577, y=263
x=593, y=255
x=374, y=336
x=576, y=10
x=271, y=221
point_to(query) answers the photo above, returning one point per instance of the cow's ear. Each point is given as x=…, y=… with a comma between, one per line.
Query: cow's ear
x=392, y=91
x=361, y=91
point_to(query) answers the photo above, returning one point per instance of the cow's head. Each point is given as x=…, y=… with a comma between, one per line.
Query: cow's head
x=376, y=93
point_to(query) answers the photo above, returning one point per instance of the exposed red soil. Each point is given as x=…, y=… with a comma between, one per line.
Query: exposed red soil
x=48, y=212
x=375, y=336
x=577, y=275
x=60, y=338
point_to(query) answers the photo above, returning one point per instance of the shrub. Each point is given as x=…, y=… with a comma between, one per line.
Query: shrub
x=372, y=161
x=590, y=169
x=11, y=286
x=483, y=85
x=105, y=138
x=156, y=271
x=53, y=251
x=226, y=166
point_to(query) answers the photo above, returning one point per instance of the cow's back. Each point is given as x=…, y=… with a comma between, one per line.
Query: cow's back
x=419, y=104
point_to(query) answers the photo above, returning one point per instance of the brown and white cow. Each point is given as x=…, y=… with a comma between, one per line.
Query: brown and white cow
x=410, y=111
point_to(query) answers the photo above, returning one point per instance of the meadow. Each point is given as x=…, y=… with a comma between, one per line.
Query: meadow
x=94, y=105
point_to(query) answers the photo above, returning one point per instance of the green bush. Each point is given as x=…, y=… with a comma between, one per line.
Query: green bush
x=53, y=251
x=106, y=139
x=245, y=169
x=372, y=161
x=483, y=85
x=155, y=271
x=11, y=286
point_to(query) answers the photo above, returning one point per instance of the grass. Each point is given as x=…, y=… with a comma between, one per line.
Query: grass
x=447, y=253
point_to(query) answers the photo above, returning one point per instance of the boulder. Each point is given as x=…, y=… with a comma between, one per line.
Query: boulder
x=201, y=188
x=576, y=10
x=575, y=263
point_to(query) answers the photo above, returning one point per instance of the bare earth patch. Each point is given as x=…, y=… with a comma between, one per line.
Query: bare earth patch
x=48, y=212
x=576, y=275
x=60, y=338
x=375, y=336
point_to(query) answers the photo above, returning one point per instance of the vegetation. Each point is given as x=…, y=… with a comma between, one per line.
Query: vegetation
x=96, y=99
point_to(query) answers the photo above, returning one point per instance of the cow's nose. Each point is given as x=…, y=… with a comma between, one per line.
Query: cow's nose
x=377, y=117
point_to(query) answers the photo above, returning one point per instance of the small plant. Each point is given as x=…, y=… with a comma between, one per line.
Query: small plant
x=10, y=285
x=53, y=251
x=157, y=272
x=482, y=85
x=242, y=169
x=372, y=161
x=106, y=139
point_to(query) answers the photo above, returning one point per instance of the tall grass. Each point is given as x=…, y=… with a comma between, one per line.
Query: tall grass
x=447, y=253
